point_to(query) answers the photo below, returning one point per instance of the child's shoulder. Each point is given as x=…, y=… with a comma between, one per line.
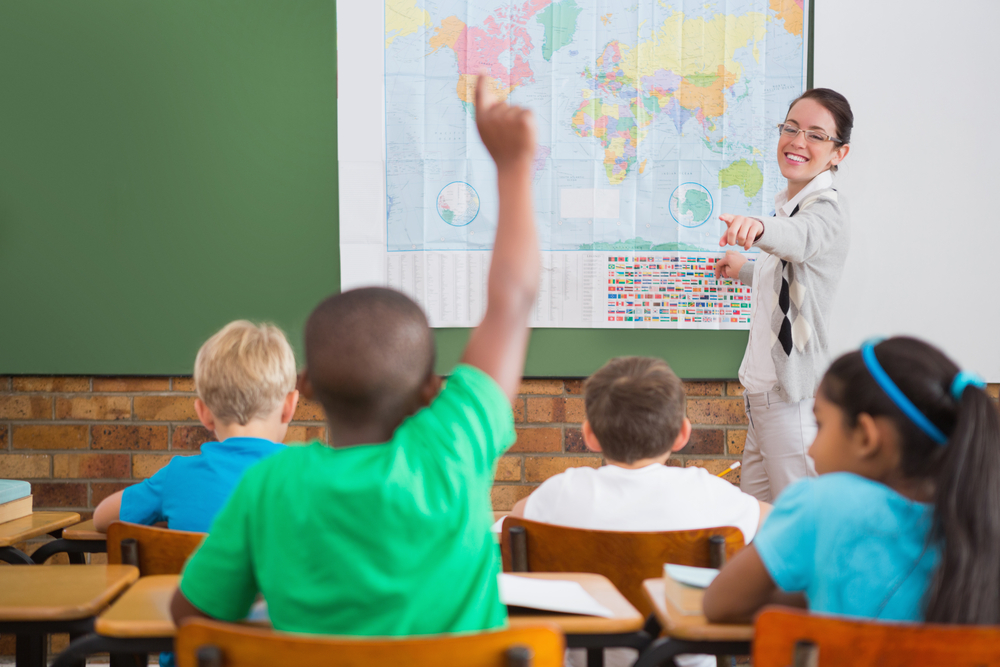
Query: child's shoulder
x=843, y=490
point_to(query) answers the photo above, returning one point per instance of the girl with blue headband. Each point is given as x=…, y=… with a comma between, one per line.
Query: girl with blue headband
x=903, y=522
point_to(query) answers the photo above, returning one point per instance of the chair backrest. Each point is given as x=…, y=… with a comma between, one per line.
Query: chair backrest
x=160, y=551
x=626, y=558
x=203, y=643
x=784, y=637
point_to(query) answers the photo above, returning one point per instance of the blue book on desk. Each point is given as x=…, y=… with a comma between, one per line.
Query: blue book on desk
x=13, y=489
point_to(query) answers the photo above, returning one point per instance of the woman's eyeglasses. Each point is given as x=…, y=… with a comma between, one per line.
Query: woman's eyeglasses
x=812, y=136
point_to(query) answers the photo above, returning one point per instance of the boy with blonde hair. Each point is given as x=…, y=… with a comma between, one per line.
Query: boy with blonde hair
x=387, y=531
x=245, y=379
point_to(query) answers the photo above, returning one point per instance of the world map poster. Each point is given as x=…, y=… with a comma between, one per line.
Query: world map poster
x=654, y=117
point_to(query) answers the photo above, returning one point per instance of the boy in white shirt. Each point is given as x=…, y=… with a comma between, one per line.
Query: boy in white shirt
x=635, y=416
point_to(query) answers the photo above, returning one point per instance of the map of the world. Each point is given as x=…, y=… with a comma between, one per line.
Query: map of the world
x=654, y=117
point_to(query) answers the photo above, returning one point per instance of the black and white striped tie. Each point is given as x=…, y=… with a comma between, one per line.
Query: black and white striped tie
x=785, y=333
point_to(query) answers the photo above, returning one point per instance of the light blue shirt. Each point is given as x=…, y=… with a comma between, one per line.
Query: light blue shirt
x=853, y=546
x=189, y=491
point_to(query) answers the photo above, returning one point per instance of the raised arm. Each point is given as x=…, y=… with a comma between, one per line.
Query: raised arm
x=498, y=345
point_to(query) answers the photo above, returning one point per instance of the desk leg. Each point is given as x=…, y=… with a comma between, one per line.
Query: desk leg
x=129, y=659
x=30, y=650
x=595, y=657
x=14, y=556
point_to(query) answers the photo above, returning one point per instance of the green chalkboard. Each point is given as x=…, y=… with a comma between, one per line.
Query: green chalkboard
x=169, y=166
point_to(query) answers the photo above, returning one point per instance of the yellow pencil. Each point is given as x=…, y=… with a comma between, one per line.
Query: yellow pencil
x=730, y=469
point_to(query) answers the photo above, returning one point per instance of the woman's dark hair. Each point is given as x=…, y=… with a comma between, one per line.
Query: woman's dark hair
x=839, y=108
x=965, y=471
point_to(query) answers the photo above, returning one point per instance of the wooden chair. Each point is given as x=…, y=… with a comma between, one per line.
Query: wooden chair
x=785, y=637
x=626, y=558
x=202, y=643
x=153, y=550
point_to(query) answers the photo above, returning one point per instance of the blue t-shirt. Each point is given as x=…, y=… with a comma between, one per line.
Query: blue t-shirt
x=189, y=491
x=853, y=546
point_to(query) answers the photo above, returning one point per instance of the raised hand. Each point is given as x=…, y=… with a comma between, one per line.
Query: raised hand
x=508, y=132
x=730, y=265
x=741, y=230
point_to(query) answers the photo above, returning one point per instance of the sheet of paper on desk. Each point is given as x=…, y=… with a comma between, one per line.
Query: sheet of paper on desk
x=549, y=595
x=699, y=577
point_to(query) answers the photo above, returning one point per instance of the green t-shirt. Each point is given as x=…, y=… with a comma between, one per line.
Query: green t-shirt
x=386, y=539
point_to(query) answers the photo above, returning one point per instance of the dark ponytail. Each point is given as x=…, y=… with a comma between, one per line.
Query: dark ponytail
x=965, y=470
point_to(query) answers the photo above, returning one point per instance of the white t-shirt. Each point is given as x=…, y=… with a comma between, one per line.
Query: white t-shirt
x=650, y=499
x=654, y=498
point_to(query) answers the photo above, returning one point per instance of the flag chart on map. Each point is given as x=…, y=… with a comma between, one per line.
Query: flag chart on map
x=654, y=117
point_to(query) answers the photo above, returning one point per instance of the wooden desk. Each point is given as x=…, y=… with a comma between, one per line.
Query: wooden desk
x=76, y=540
x=83, y=531
x=142, y=611
x=691, y=632
x=27, y=527
x=37, y=601
x=624, y=629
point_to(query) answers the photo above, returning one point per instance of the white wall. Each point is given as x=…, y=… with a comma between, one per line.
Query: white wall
x=923, y=175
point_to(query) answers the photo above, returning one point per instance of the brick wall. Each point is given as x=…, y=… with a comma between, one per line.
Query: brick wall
x=79, y=439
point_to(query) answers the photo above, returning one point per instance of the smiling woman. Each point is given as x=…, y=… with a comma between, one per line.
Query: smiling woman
x=795, y=278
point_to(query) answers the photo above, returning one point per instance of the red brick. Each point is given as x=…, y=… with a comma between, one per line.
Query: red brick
x=3, y=436
x=25, y=407
x=93, y=407
x=519, y=411
x=675, y=463
x=576, y=411
x=303, y=434
x=540, y=468
x=182, y=384
x=25, y=466
x=132, y=384
x=574, y=386
x=715, y=411
x=101, y=490
x=545, y=410
x=61, y=384
x=715, y=466
x=128, y=436
x=734, y=389
x=60, y=640
x=44, y=436
x=55, y=494
x=538, y=440
x=7, y=644
x=702, y=388
x=505, y=495
x=509, y=469
x=164, y=408
x=146, y=465
x=993, y=389
x=83, y=466
x=191, y=437
x=574, y=441
x=548, y=387
x=735, y=441
x=309, y=411
x=4, y=383
x=704, y=441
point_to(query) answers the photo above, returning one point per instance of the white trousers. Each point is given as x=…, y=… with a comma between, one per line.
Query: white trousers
x=778, y=439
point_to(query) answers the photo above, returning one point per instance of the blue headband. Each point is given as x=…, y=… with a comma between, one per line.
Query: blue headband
x=899, y=398
x=963, y=380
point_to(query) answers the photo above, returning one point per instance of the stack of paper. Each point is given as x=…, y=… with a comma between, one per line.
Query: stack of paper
x=549, y=595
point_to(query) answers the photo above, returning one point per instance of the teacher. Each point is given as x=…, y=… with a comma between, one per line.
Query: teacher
x=803, y=250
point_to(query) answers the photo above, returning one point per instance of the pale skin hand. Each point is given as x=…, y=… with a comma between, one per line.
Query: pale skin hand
x=730, y=265
x=741, y=230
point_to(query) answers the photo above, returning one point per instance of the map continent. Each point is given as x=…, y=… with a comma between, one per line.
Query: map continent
x=654, y=117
